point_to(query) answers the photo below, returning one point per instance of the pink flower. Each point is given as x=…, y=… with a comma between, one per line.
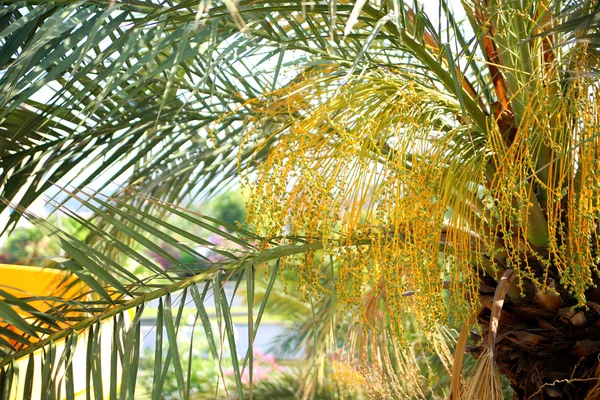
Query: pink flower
x=269, y=358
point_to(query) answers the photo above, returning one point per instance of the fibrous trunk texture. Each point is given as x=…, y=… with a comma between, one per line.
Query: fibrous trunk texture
x=548, y=350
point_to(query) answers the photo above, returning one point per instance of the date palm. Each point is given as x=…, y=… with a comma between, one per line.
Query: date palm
x=445, y=158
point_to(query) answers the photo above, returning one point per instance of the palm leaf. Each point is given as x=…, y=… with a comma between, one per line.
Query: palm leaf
x=401, y=114
x=112, y=308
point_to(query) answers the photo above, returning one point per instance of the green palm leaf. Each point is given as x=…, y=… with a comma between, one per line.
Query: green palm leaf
x=462, y=141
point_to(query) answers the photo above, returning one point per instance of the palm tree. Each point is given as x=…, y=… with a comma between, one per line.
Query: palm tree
x=445, y=158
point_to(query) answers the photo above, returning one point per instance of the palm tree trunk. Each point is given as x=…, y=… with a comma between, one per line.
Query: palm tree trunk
x=548, y=354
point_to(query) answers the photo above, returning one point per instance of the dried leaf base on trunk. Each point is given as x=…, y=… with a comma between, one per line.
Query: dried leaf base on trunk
x=547, y=353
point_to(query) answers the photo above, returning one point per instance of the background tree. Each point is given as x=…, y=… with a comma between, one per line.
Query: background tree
x=442, y=161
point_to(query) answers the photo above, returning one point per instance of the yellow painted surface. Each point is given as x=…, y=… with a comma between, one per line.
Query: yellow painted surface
x=25, y=282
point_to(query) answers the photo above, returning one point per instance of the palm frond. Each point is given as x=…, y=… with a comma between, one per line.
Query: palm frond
x=103, y=318
x=423, y=155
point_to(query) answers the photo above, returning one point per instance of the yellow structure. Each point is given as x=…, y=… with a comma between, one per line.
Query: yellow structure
x=26, y=282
